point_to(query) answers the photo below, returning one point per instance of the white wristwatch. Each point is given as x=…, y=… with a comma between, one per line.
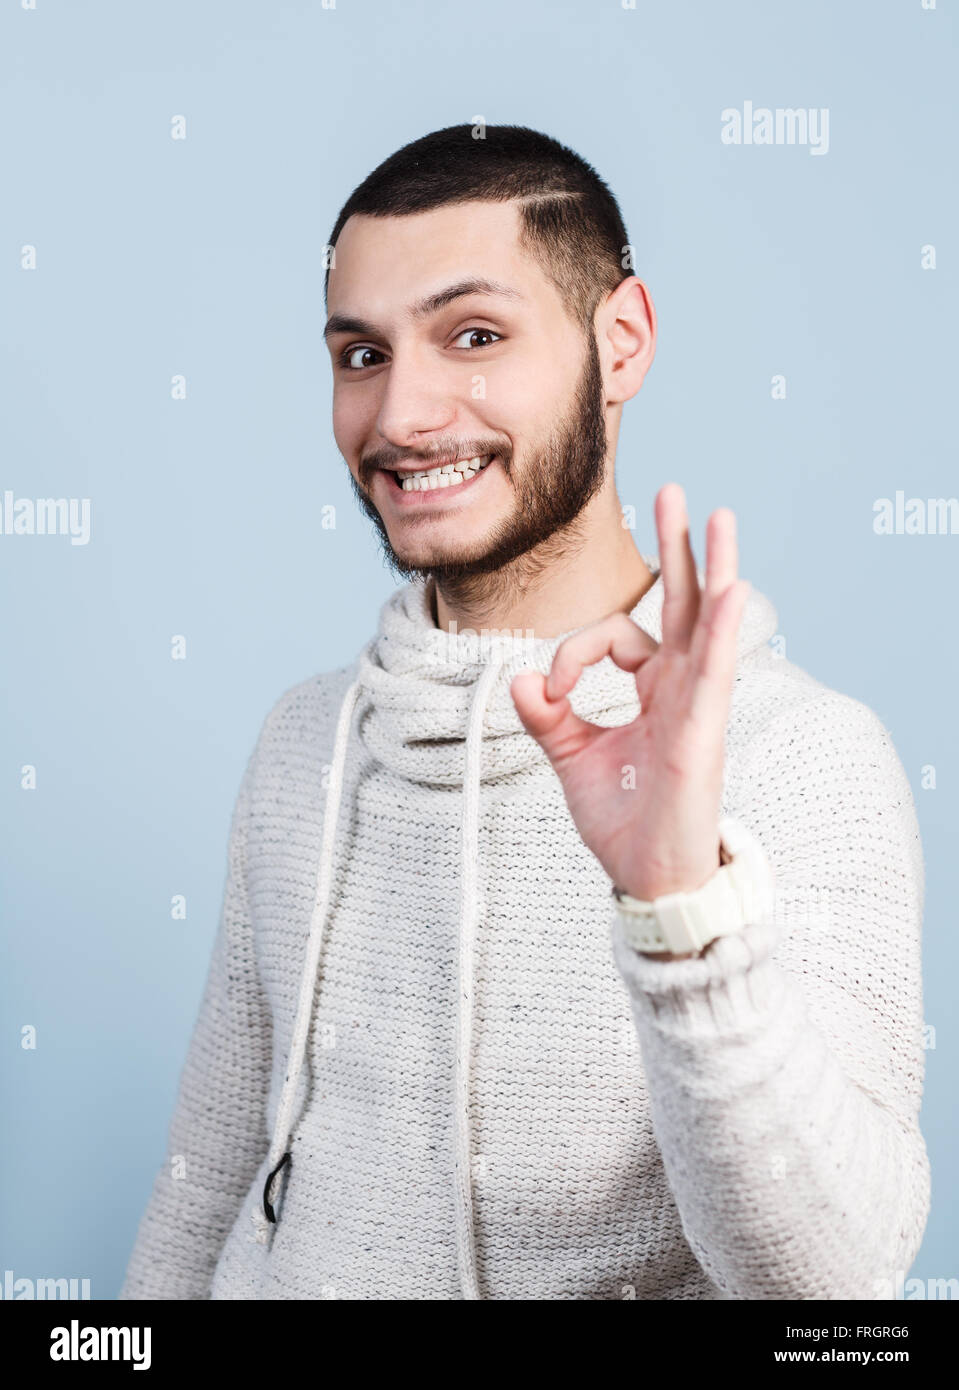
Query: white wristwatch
x=739, y=892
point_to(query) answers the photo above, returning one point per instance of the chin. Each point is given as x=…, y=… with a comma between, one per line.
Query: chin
x=439, y=560
x=455, y=562
x=434, y=554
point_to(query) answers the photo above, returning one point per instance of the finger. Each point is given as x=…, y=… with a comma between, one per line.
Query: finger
x=722, y=552
x=722, y=563
x=677, y=566
x=615, y=636
x=715, y=670
x=557, y=730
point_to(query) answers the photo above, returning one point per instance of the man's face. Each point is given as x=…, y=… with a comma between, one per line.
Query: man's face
x=499, y=373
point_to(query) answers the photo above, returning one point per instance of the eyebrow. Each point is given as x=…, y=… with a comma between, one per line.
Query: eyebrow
x=424, y=308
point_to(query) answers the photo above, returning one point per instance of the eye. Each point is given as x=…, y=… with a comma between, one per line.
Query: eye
x=482, y=332
x=346, y=358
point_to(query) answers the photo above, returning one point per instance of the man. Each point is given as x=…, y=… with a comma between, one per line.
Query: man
x=423, y=1068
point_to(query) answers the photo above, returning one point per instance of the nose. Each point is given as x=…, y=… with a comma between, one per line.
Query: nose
x=416, y=400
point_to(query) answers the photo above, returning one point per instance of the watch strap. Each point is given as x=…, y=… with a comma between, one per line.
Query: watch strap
x=740, y=891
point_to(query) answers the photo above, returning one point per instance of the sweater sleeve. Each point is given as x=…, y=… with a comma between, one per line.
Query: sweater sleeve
x=785, y=1063
x=217, y=1136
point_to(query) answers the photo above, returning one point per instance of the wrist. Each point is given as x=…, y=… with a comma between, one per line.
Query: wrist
x=681, y=924
x=649, y=887
x=721, y=858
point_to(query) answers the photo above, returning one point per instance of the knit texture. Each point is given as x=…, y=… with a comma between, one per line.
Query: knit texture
x=739, y=1125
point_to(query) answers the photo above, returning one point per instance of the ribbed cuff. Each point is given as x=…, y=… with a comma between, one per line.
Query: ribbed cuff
x=733, y=983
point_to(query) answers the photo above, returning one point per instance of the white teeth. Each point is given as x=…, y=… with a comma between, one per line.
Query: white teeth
x=447, y=475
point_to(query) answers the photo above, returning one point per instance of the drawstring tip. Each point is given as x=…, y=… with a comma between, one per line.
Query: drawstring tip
x=264, y=1216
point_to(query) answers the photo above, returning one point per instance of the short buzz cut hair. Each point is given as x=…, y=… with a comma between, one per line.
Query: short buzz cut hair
x=570, y=222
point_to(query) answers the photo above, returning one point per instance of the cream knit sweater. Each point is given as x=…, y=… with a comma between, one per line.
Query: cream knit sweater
x=419, y=991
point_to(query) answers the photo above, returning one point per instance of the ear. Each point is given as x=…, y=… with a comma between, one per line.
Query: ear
x=625, y=338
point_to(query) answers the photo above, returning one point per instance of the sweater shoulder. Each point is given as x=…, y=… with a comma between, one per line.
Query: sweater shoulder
x=775, y=703
x=307, y=710
x=803, y=750
x=297, y=735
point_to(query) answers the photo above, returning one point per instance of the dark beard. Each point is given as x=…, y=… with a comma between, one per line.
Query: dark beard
x=551, y=494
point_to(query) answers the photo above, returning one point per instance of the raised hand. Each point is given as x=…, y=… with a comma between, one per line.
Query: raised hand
x=645, y=796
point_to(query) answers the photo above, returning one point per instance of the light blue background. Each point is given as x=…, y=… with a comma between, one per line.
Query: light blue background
x=203, y=257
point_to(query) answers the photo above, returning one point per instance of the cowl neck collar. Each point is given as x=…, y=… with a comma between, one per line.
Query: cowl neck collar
x=418, y=684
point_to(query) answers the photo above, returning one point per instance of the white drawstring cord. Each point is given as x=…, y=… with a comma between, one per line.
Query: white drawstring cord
x=281, y=1129
x=470, y=912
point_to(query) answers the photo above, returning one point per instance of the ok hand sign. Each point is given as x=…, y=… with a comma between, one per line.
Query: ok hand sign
x=661, y=835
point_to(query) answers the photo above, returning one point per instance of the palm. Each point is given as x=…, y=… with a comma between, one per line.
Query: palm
x=645, y=796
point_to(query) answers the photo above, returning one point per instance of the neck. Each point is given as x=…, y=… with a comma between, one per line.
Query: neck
x=583, y=574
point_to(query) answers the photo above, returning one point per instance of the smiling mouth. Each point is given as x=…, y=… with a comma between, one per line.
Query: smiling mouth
x=446, y=475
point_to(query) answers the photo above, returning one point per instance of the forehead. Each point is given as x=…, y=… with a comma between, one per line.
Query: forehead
x=385, y=263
